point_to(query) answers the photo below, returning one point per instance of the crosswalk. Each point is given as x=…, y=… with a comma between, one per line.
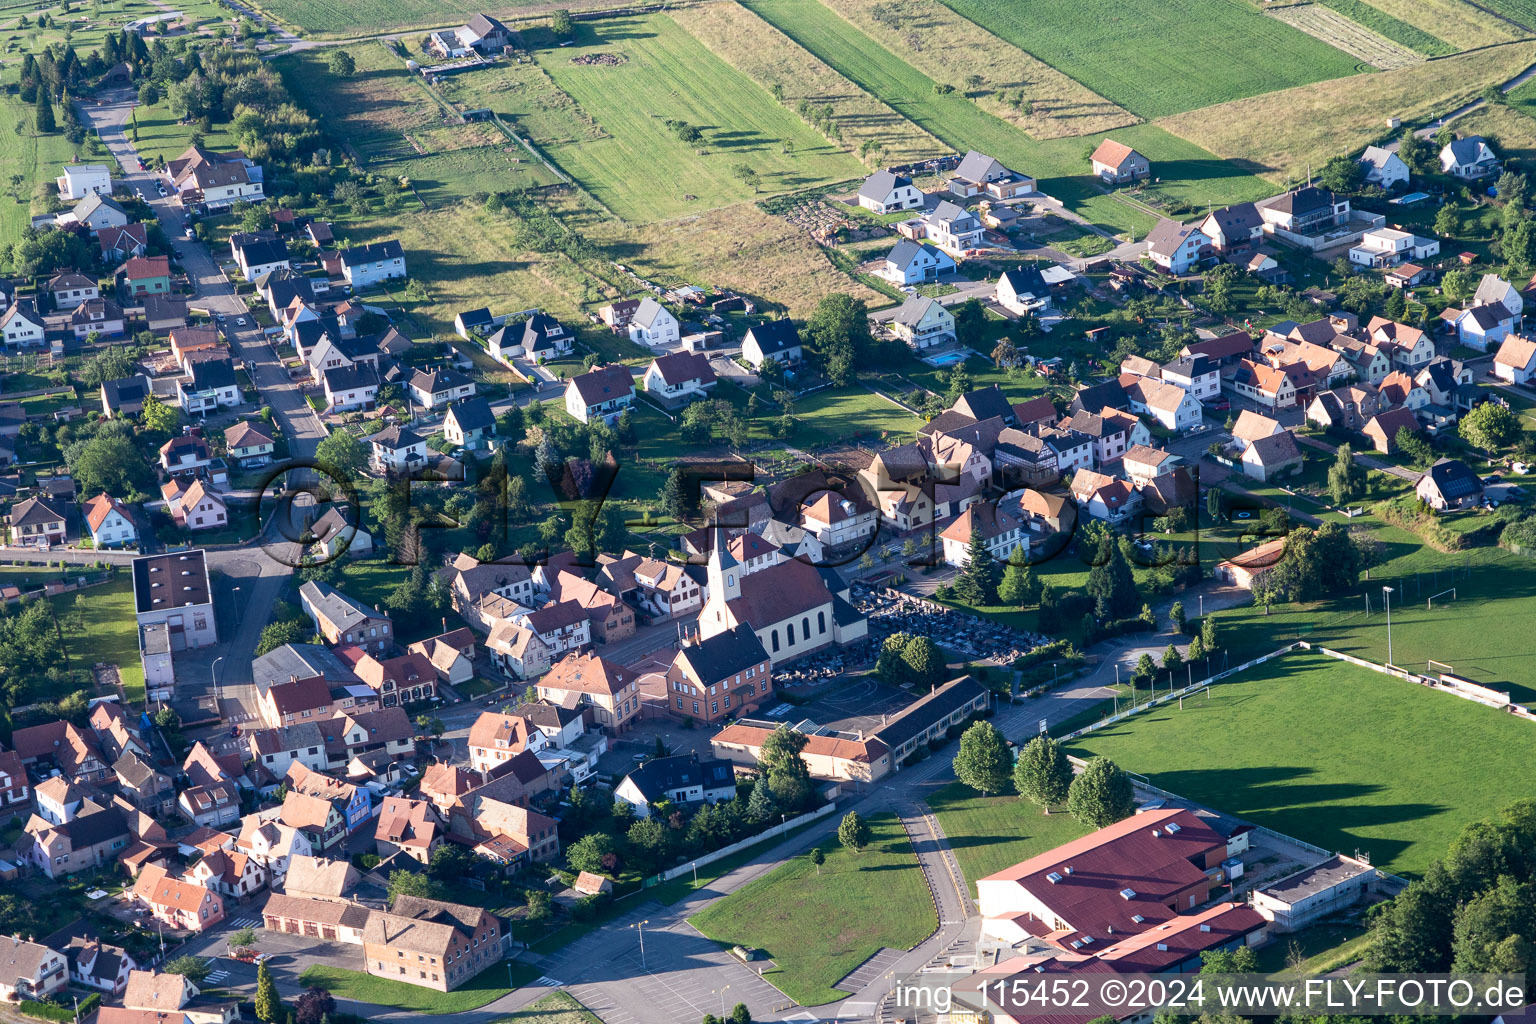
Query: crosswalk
x=548, y=982
x=218, y=977
x=244, y=922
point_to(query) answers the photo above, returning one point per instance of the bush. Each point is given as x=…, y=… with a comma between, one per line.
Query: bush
x=47, y=1011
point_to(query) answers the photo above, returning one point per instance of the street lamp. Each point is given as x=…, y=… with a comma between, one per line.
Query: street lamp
x=641, y=926
x=722, y=1000
x=1386, y=593
x=213, y=671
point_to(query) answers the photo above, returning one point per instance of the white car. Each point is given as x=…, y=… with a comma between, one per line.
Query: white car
x=239, y=321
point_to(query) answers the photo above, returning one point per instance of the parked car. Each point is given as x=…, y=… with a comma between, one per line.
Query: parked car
x=239, y=321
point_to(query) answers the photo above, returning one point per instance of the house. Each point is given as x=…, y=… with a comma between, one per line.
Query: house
x=21, y=325
x=411, y=827
x=603, y=392
x=494, y=739
x=1383, y=168
x=144, y=275
x=97, y=965
x=363, y=266
x=350, y=387
x=405, y=679
x=1176, y=247
x=1270, y=386
x=1407, y=347
x=1022, y=290
x=163, y=313
x=176, y=902
x=86, y=843
x=1441, y=378
x=1469, y=158
x=1115, y=163
x=433, y=389
x=778, y=340
x=337, y=534
x=81, y=180
x=29, y=971
x=923, y=322
x=274, y=749
x=1387, y=247
x=653, y=325
x=340, y=619
x=679, y=780
x=1225, y=350
x=835, y=756
x=887, y=192
x=110, y=522
x=518, y=650
x=211, y=386
x=470, y=424
x=1171, y=406
x=1271, y=456
x=39, y=522
x=70, y=289
x=952, y=228
x=1484, y=327
x=664, y=590
x=1000, y=532
x=1307, y=216
x=1195, y=374
x=1406, y=275
x=540, y=338
x=618, y=314
x=249, y=445
x=173, y=589
x=444, y=944
x=194, y=506
x=912, y=262
x=483, y=34
x=97, y=316
x=257, y=256
x=1104, y=497
x=977, y=173
x=451, y=654
x=679, y=377
x=589, y=680
x=397, y=449
x=60, y=801
x=1493, y=289
x=185, y=453
x=719, y=677
x=216, y=180
x=1449, y=484
x=1383, y=427
x=95, y=213
x=350, y=801
x=1516, y=359
x=472, y=321
x=931, y=716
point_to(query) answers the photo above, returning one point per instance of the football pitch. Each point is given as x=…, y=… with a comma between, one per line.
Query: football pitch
x=1334, y=754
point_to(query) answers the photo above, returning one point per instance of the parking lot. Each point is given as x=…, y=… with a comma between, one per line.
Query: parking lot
x=859, y=704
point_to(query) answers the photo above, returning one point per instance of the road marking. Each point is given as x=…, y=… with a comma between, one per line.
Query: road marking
x=545, y=979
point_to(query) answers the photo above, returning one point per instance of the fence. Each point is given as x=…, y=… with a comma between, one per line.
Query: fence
x=737, y=847
x=1465, y=689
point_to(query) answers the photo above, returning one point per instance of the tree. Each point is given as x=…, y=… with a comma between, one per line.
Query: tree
x=1110, y=583
x=1447, y=221
x=1005, y=353
x=159, y=417
x=838, y=329
x=340, y=63
x=1146, y=669
x=1490, y=427
x=747, y=175
x=853, y=833
x=1396, y=305
x=740, y=1014
x=313, y=1005
x=1020, y=586
x=587, y=853
x=1171, y=658
x=1208, y=635
x=977, y=582
x=1176, y=616
x=287, y=631
x=925, y=665
x=1342, y=174
x=450, y=861
x=970, y=322
x=1316, y=563
x=560, y=25
x=648, y=837
x=269, y=1005
x=784, y=770
x=818, y=858
x=1513, y=188
x=409, y=883
x=1458, y=284
x=1196, y=649
x=675, y=498
x=760, y=805
x=340, y=452
x=108, y=462
x=983, y=759
x=1043, y=774
x=43, y=116
x=1345, y=476
x=242, y=939
x=1102, y=794
x=194, y=968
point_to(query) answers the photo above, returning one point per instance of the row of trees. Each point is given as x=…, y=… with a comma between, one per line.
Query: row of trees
x=1098, y=796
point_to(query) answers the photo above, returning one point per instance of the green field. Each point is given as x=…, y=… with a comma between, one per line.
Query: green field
x=162, y=134
x=817, y=927
x=990, y=833
x=37, y=158
x=1384, y=24
x=486, y=987
x=349, y=18
x=1337, y=755
x=1140, y=57
x=1189, y=173
x=840, y=414
x=643, y=171
x=1521, y=12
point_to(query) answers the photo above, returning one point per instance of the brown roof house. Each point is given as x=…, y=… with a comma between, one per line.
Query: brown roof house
x=1383, y=427
x=1115, y=163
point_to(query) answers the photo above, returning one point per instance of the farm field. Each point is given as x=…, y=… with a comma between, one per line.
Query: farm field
x=1521, y=12
x=954, y=48
x=341, y=19
x=1281, y=133
x=1400, y=32
x=818, y=926
x=1331, y=26
x=1126, y=56
x=1457, y=22
x=1413, y=768
x=771, y=59
x=1190, y=173
x=643, y=171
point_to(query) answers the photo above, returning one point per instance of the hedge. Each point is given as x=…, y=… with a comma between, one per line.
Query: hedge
x=47, y=1011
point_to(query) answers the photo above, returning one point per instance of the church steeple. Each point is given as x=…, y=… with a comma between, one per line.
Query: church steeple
x=724, y=571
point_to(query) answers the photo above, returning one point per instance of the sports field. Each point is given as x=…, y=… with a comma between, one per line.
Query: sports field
x=643, y=171
x=1337, y=755
x=1140, y=56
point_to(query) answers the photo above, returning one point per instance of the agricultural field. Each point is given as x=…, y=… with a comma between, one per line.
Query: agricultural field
x=1353, y=38
x=1520, y=13
x=1458, y=22
x=643, y=171
x=85, y=26
x=524, y=96
x=953, y=48
x=1127, y=56
x=1280, y=134
x=1420, y=767
x=772, y=60
x=1398, y=31
x=348, y=19
x=374, y=108
x=37, y=158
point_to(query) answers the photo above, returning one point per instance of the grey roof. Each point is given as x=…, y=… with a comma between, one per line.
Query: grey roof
x=934, y=707
x=303, y=661
x=1489, y=316
x=879, y=185
x=264, y=250
x=1237, y=221
x=87, y=206
x=1168, y=235
x=1095, y=399
x=373, y=252
x=775, y=336
x=334, y=605
x=905, y=251
x=648, y=312
x=660, y=775
x=1301, y=201
x=1026, y=281
x=474, y=317
x=725, y=654
x=540, y=330
x=213, y=373
x=483, y=25
x=473, y=414
x=979, y=167
x=344, y=378
x=948, y=211
x=1469, y=149
x=912, y=311
x=439, y=380
x=128, y=390
x=395, y=437
x=1454, y=479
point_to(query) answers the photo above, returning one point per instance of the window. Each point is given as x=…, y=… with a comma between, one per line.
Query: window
x=695, y=707
x=775, y=636
x=821, y=622
x=789, y=634
x=714, y=707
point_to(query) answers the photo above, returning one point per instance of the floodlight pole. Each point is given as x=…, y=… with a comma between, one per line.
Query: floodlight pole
x=1387, y=596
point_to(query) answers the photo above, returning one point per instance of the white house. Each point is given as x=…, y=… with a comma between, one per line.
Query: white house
x=21, y=325
x=1000, y=531
x=603, y=392
x=1196, y=374
x=1176, y=247
x=885, y=192
x=1170, y=405
x=922, y=323
x=258, y=256
x=653, y=325
x=952, y=228
x=911, y=262
x=778, y=340
x=110, y=521
x=1468, y=158
x=683, y=779
x=97, y=212
x=1383, y=168
x=1516, y=360
x=679, y=376
x=1387, y=247
x=1022, y=290
x=81, y=180
x=212, y=385
x=70, y=289
x=366, y=265
x=397, y=449
x=433, y=389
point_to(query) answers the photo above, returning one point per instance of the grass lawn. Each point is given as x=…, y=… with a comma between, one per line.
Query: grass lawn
x=838, y=415
x=37, y=158
x=990, y=833
x=161, y=134
x=557, y=1008
x=642, y=170
x=668, y=893
x=1125, y=57
x=488, y=986
x=1188, y=173
x=817, y=927
x=1322, y=948
x=111, y=634
x=1401, y=785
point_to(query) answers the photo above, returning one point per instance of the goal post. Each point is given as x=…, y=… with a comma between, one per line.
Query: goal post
x=1431, y=605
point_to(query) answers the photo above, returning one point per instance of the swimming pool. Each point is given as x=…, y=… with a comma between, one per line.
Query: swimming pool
x=947, y=359
x=1410, y=199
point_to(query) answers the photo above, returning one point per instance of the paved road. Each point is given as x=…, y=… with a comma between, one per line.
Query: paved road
x=1466, y=108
